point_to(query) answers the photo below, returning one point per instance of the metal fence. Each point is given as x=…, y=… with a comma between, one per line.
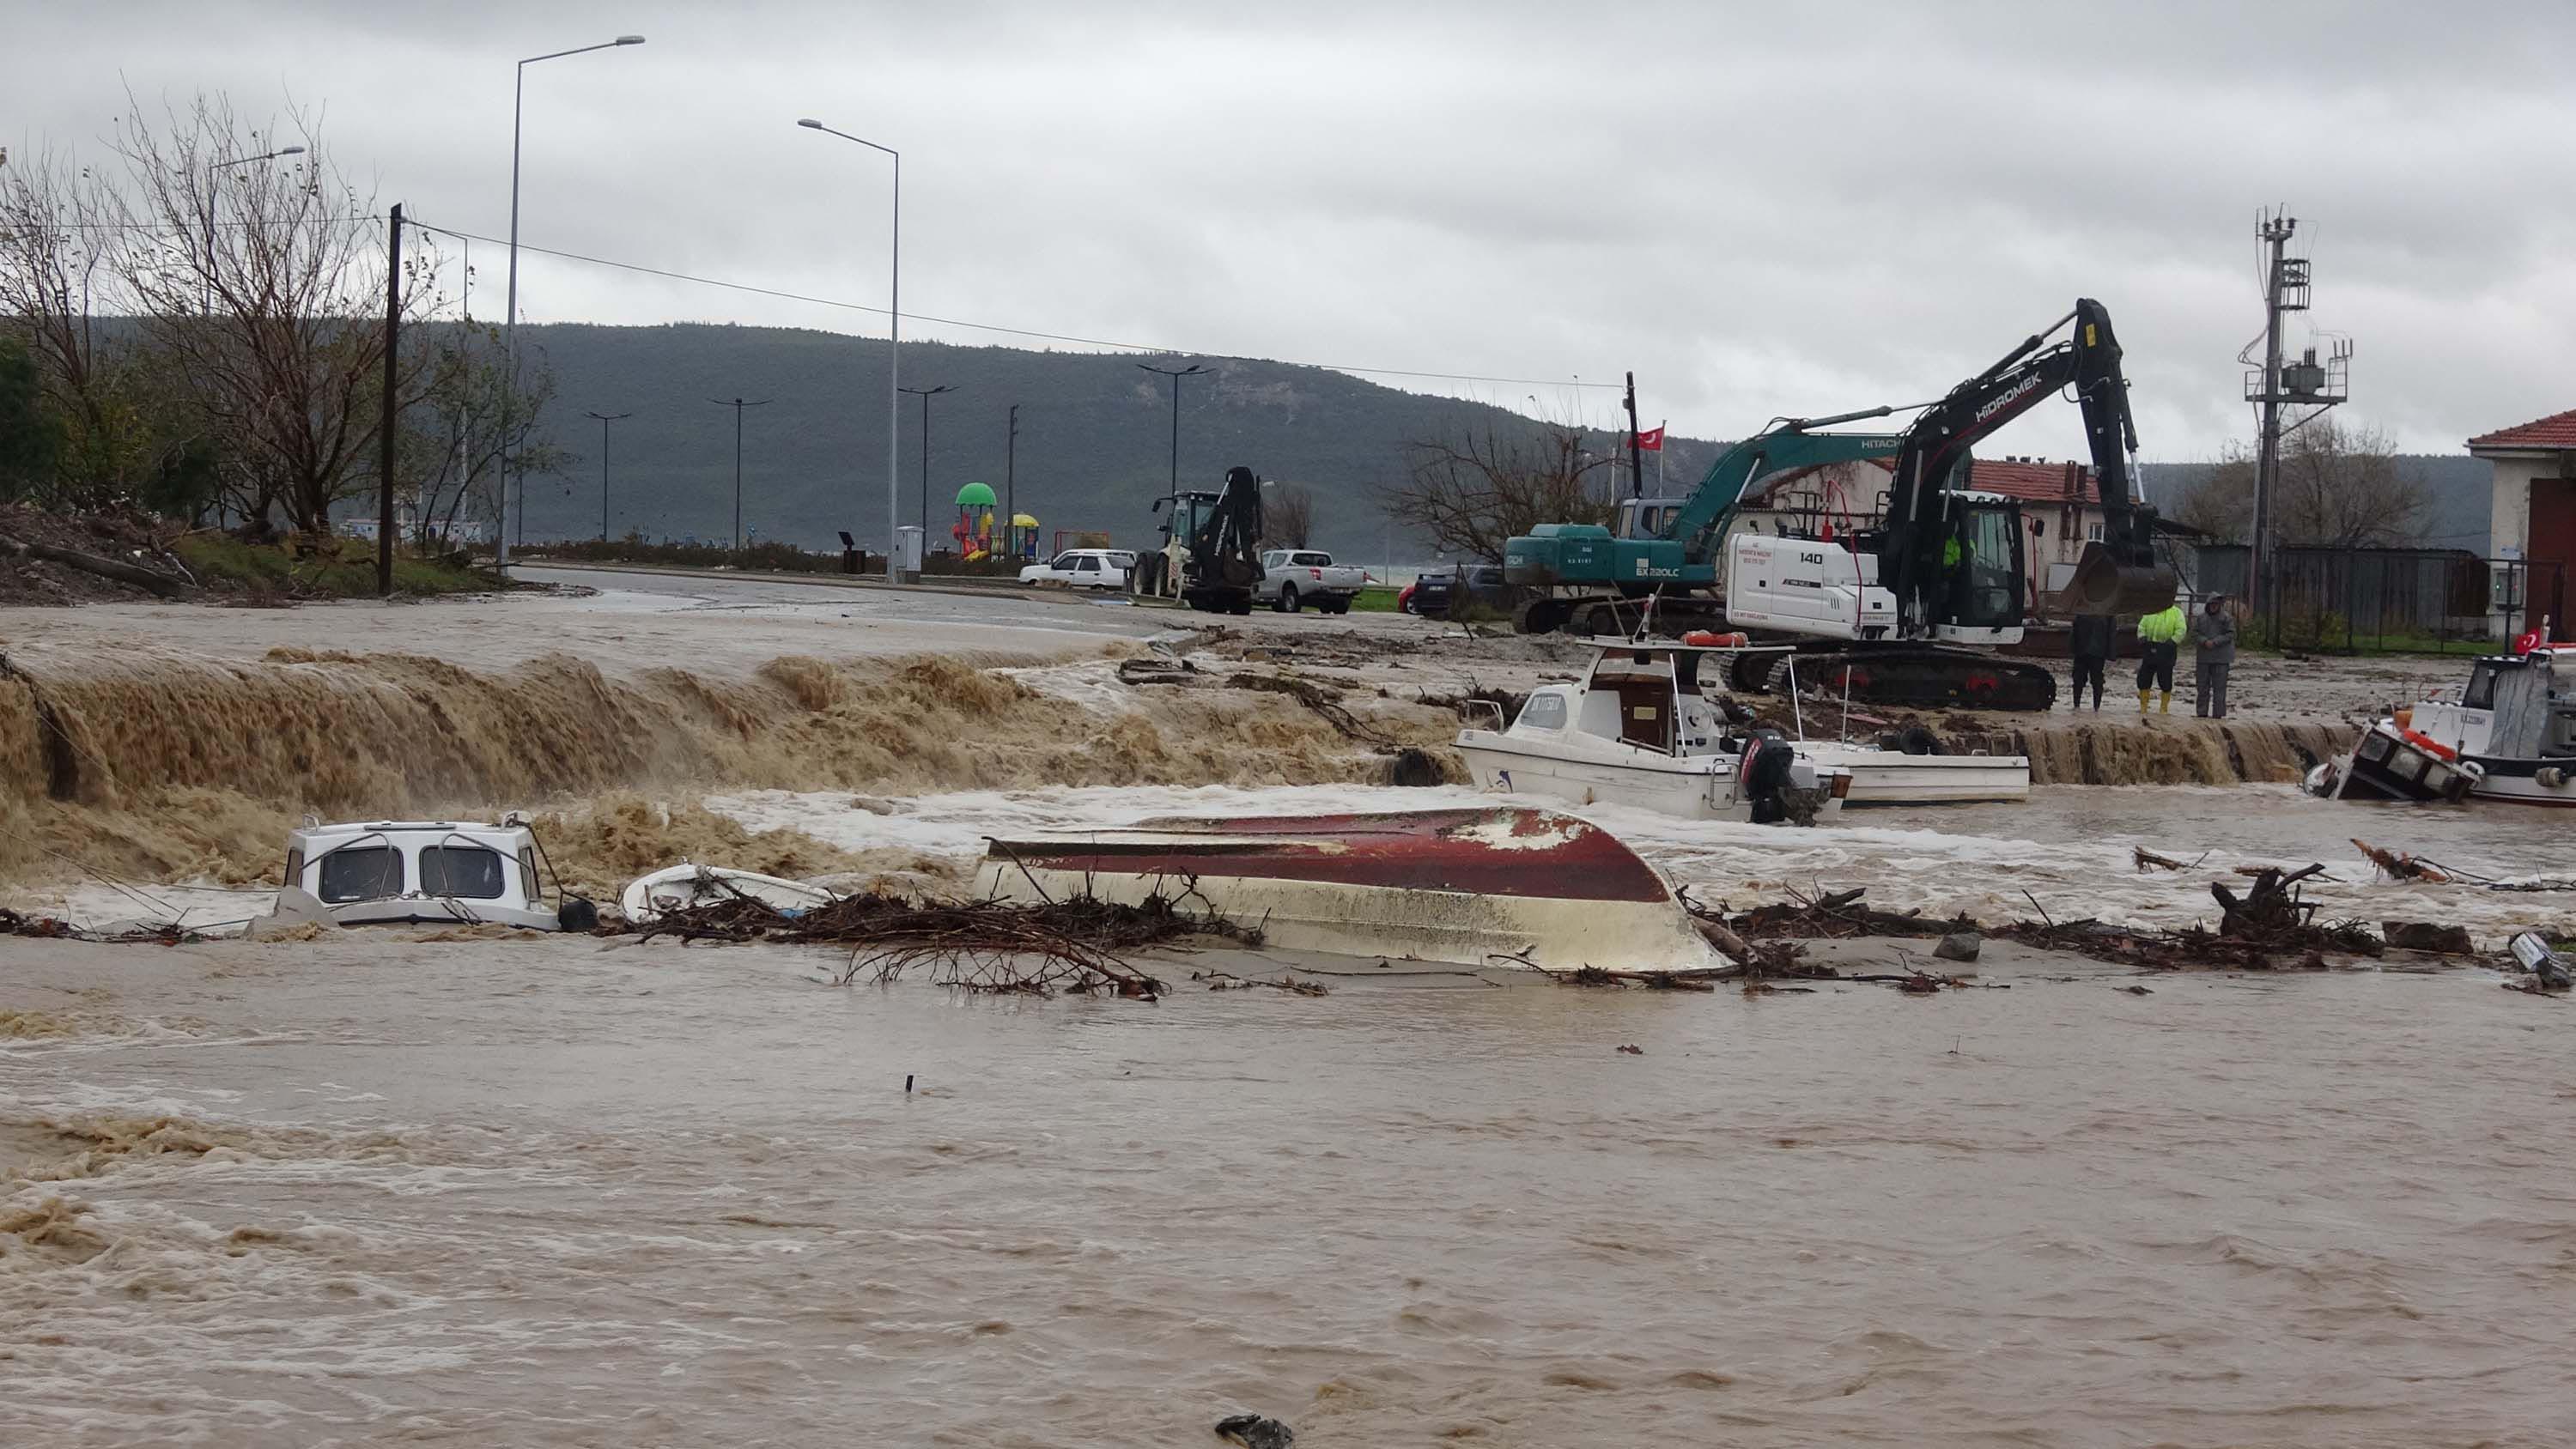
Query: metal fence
x=2390, y=598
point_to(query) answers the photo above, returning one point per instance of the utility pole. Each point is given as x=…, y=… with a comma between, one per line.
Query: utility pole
x=606, y=418
x=2275, y=234
x=2306, y=382
x=737, y=404
x=385, y=464
x=926, y=394
x=1010, y=486
x=1636, y=465
x=1192, y=370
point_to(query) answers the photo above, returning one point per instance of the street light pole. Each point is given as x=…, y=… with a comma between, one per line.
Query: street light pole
x=604, y=420
x=737, y=404
x=214, y=198
x=1011, y=486
x=1192, y=370
x=894, y=350
x=510, y=482
x=926, y=394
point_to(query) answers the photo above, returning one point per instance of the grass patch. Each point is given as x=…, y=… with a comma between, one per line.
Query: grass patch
x=1374, y=599
x=342, y=568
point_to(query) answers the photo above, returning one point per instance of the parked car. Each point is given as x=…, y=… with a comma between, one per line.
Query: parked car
x=1083, y=568
x=1438, y=592
x=1292, y=578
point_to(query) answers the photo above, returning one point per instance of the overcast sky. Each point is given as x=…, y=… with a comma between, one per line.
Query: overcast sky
x=1762, y=210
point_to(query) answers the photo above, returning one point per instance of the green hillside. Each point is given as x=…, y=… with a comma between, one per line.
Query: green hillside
x=1094, y=434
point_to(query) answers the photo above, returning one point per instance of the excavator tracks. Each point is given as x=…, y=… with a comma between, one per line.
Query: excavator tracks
x=1912, y=677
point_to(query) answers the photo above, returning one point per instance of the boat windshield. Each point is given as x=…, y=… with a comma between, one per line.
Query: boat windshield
x=466, y=871
x=2481, y=691
x=361, y=873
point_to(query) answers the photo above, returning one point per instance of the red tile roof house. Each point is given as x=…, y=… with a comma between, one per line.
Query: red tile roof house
x=2534, y=517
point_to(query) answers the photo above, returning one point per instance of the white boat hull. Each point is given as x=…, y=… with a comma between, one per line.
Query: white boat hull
x=683, y=886
x=1892, y=777
x=1695, y=787
x=1507, y=888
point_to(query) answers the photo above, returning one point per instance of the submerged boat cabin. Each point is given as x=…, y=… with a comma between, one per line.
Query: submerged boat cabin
x=421, y=870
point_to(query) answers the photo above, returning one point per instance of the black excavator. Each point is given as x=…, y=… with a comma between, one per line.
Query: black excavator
x=1950, y=558
x=1222, y=533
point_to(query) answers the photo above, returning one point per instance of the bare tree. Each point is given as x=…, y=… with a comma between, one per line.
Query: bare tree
x=1288, y=517
x=263, y=285
x=2338, y=487
x=1472, y=493
x=59, y=242
x=453, y=443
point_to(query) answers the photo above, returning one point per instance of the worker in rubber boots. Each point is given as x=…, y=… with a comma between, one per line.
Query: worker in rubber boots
x=2088, y=643
x=2213, y=642
x=2162, y=636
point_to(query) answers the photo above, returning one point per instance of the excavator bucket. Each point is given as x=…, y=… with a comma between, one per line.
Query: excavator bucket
x=2104, y=585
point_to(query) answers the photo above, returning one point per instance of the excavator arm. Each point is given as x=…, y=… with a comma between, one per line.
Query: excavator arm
x=2120, y=570
x=1786, y=447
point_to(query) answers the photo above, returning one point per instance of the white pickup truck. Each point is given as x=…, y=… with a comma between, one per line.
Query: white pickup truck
x=1292, y=578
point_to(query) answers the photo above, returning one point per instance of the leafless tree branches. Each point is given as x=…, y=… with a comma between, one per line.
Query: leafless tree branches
x=1471, y=493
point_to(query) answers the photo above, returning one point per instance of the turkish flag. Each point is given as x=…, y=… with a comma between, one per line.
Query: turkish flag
x=1651, y=440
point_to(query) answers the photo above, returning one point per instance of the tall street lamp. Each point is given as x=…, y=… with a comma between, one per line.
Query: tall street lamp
x=1192, y=370
x=894, y=347
x=737, y=404
x=510, y=481
x=926, y=394
x=214, y=200
x=604, y=420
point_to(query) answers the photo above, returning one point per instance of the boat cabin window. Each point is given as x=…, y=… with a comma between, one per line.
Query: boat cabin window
x=1544, y=712
x=361, y=873
x=2481, y=691
x=469, y=872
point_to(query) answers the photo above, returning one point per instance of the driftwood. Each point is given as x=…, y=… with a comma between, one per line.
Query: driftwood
x=995, y=946
x=2264, y=942
x=2397, y=865
x=107, y=568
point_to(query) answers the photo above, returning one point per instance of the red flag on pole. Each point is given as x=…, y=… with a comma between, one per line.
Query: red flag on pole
x=1651, y=440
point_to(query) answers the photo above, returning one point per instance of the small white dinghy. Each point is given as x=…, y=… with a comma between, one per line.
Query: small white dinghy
x=686, y=885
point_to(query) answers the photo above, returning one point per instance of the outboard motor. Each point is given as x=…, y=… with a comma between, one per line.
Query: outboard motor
x=1767, y=757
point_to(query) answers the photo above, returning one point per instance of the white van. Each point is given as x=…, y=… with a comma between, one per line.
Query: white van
x=1083, y=568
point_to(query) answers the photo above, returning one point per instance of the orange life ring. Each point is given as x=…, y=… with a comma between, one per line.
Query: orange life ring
x=2429, y=745
x=1710, y=639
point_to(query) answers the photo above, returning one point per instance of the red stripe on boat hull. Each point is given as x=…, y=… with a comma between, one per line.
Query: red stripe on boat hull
x=1503, y=852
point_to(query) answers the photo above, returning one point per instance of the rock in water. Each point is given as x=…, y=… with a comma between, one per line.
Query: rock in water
x=1959, y=946
x=2428, y=936
x=1255, y=1432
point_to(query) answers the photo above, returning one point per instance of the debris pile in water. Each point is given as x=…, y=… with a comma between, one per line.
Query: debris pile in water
x=2256, y=934
x=1075, y=945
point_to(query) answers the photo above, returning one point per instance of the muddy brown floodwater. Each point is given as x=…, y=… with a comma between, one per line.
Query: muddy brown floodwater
x=551, y=1192
x=561, y=1192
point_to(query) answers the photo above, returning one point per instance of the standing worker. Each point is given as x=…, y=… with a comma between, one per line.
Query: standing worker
x=2089, y=640
x=2162, y=636
x=2213, y=639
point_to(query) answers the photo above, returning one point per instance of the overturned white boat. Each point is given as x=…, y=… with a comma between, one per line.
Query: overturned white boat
x=428, y=872
x=1505, y=887
x=1641, y=731
x=2509, y=735
x=686, y=886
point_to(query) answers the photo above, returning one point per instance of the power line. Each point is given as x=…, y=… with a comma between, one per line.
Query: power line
x=988, y=326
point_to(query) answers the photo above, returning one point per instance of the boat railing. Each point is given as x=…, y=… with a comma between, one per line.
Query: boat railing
x=1474, y=709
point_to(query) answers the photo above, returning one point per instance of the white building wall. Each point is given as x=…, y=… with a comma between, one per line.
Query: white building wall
x=2509, y=519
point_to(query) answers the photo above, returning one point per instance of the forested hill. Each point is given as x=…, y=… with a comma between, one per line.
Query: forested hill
x=1095, y=434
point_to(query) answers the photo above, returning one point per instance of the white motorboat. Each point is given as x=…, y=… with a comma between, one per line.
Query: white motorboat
x=2509, y=734
x=392, y=872
x=1886, y=774
x=682, y=886
x=1640, y=731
